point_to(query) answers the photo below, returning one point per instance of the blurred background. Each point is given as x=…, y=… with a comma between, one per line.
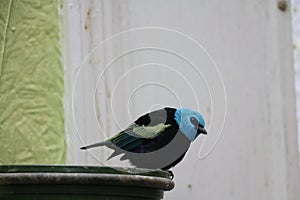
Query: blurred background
x=74, y=72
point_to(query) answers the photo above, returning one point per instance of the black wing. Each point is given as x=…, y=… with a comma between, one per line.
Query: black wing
x=149, y=132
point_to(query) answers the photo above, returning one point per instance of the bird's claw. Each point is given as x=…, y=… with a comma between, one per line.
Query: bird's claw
x=171, y=174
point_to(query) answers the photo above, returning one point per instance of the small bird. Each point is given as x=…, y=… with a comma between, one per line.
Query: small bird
x=157, y=140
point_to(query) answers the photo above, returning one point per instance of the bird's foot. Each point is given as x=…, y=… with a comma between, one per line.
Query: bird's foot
x=171, y=174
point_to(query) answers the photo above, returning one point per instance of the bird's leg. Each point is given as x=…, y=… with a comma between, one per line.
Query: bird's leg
x=171, y=174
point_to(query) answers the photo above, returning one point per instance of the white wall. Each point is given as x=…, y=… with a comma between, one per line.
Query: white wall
x=296, y=51
x=227, y=59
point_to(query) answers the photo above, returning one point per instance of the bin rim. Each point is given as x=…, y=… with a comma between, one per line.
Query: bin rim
x=83, y=175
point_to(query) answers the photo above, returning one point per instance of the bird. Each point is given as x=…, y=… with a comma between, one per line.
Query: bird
x=158, y=139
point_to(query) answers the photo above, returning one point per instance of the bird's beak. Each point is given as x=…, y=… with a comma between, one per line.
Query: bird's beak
x=201, y=130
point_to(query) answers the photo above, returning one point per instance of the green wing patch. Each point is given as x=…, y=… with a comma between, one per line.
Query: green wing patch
x=149, y=132
x=134, y=135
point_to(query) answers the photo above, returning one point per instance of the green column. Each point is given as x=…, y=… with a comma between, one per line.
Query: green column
x=31, y=83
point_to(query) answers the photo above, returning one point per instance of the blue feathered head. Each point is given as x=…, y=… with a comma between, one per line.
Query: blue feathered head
x=190, y=122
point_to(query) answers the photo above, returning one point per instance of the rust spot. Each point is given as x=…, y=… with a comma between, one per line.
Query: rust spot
x=282, y=5
x=88, y=19
x=89, y=13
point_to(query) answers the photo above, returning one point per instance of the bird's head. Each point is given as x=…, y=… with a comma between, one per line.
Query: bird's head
x=190, y=122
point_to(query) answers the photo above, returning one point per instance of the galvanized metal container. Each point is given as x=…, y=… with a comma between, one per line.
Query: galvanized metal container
x=79, y=182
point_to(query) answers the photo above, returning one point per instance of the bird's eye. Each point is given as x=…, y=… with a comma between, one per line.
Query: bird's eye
x=194, y=121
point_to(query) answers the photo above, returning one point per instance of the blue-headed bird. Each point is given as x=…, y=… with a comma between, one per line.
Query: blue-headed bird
x=159, y=139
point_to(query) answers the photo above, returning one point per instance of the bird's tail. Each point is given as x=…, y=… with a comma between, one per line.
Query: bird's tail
x=104, y=143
